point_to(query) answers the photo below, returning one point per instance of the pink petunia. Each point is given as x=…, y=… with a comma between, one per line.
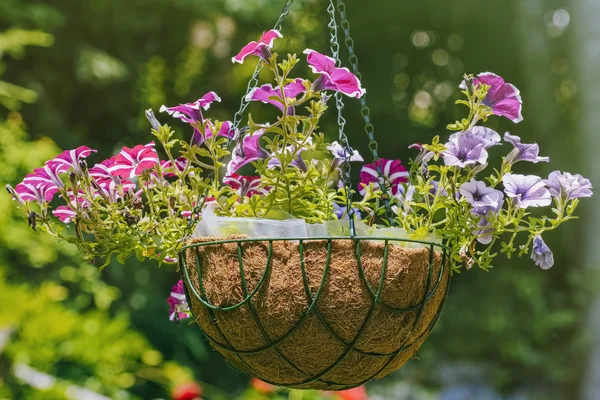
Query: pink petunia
x=47, y=176
x=179, y=308
x=503, y=98
x=181, y=164
x=392, y=172
x=130, y=163
x=269, y=95
x=67, y=214
x=262, y=48
x=226, y=130
x=191, y=113
x=332, y=77
x=250, y=151
x=70, y=159
x=244, y=185
x=39, y=193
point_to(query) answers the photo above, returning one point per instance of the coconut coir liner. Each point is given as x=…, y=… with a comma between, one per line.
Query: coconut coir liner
x=344, y=303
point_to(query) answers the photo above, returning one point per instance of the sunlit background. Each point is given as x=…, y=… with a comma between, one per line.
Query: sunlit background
x=82, y=72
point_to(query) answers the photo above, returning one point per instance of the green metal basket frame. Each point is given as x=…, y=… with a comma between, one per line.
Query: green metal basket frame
x=312, y=301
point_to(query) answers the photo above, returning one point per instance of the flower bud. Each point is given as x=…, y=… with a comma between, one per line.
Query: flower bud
x=83, y=166
x=15, y=195
x=469, y=84
x=152, y=119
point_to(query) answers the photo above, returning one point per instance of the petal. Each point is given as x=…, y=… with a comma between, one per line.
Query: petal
x=270, y=36
x=347, y=83
x=319, y=63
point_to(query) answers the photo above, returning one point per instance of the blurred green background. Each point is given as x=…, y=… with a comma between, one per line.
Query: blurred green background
x=82, y=72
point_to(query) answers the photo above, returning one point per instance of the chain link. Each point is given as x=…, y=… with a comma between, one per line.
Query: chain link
x=364, y=109
x=252, y=83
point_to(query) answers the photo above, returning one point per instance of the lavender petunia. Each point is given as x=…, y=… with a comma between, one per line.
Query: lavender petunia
x=246, y=152
x=297, y=161
x=341, y=212
x=465, y=149
x=503, y=98
x=526, y=190
x=484, y=232
x=488, y=137
x=567, y=186
x=523, y=152
x=541, y=253
x=481, y=197
x=269, y=95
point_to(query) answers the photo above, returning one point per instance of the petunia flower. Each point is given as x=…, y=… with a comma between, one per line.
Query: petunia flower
x=526, y=190
x=152, y=119
x=392, y=172
x=503, y=98
x=567, y=187
x=191, y=113
x=70, y=159
x=488, y=137
x=481, y=197
x=262, y=48
x=48, y=176
x=333, y=78
x=484, y=232
x=297, y=161
x=130, y=163
x=341, y=212
x=523, y=152
x=465, y=149
x=39, y=193
x=541, y=253
x=244, y=185
x=226, y=130
x=179, y=308
x=341, y=153
x=65, y=214
x=269, y=95
x=405, y=198
x=246, y=152
x=181, y=164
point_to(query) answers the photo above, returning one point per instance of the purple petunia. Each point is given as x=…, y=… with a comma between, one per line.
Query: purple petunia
x=333, y=78
x=541, y=253
x=246, y=152
x=465, y=149
x=179, y=308
x=269, y=95
x=262, y=48
x=191, y=113
x=341, y=212
x=297, y=161
x=566, y=187
x=488, y=137
x=503, y=98
x=481, y=197
x=523, y=152
x=526, y=190
x=391, y=171
x=225, y=130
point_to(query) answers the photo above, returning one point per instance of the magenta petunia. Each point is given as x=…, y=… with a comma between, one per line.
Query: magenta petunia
x=130, y=163
x=70, y=159
x=101, y=170
x=503, y=98
x=333, y=78
x=48, y=176
x=181, y=164
x=269, y=95
x=244, y=185
x=39, y=193
x=191, y=113
x=179, y=308
x=246, y=152
x=262, y=48
x=226, y=130
x=65, y=214
x=392, y=172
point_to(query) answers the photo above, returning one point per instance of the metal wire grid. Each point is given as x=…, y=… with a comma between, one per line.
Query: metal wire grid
x=312, y=304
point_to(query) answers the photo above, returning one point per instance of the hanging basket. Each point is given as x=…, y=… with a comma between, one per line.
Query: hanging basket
x=321, y=313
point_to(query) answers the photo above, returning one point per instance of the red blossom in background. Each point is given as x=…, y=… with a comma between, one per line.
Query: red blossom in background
x=130, y=163
x=358, y=393
x=187, y=391
x=262, y=387
x=392, y=171
x=262, y=48
x=333, y=78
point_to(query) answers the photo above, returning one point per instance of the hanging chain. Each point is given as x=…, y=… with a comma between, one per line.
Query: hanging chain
x=346, y=169
x=365, y=110
x=252, y=83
